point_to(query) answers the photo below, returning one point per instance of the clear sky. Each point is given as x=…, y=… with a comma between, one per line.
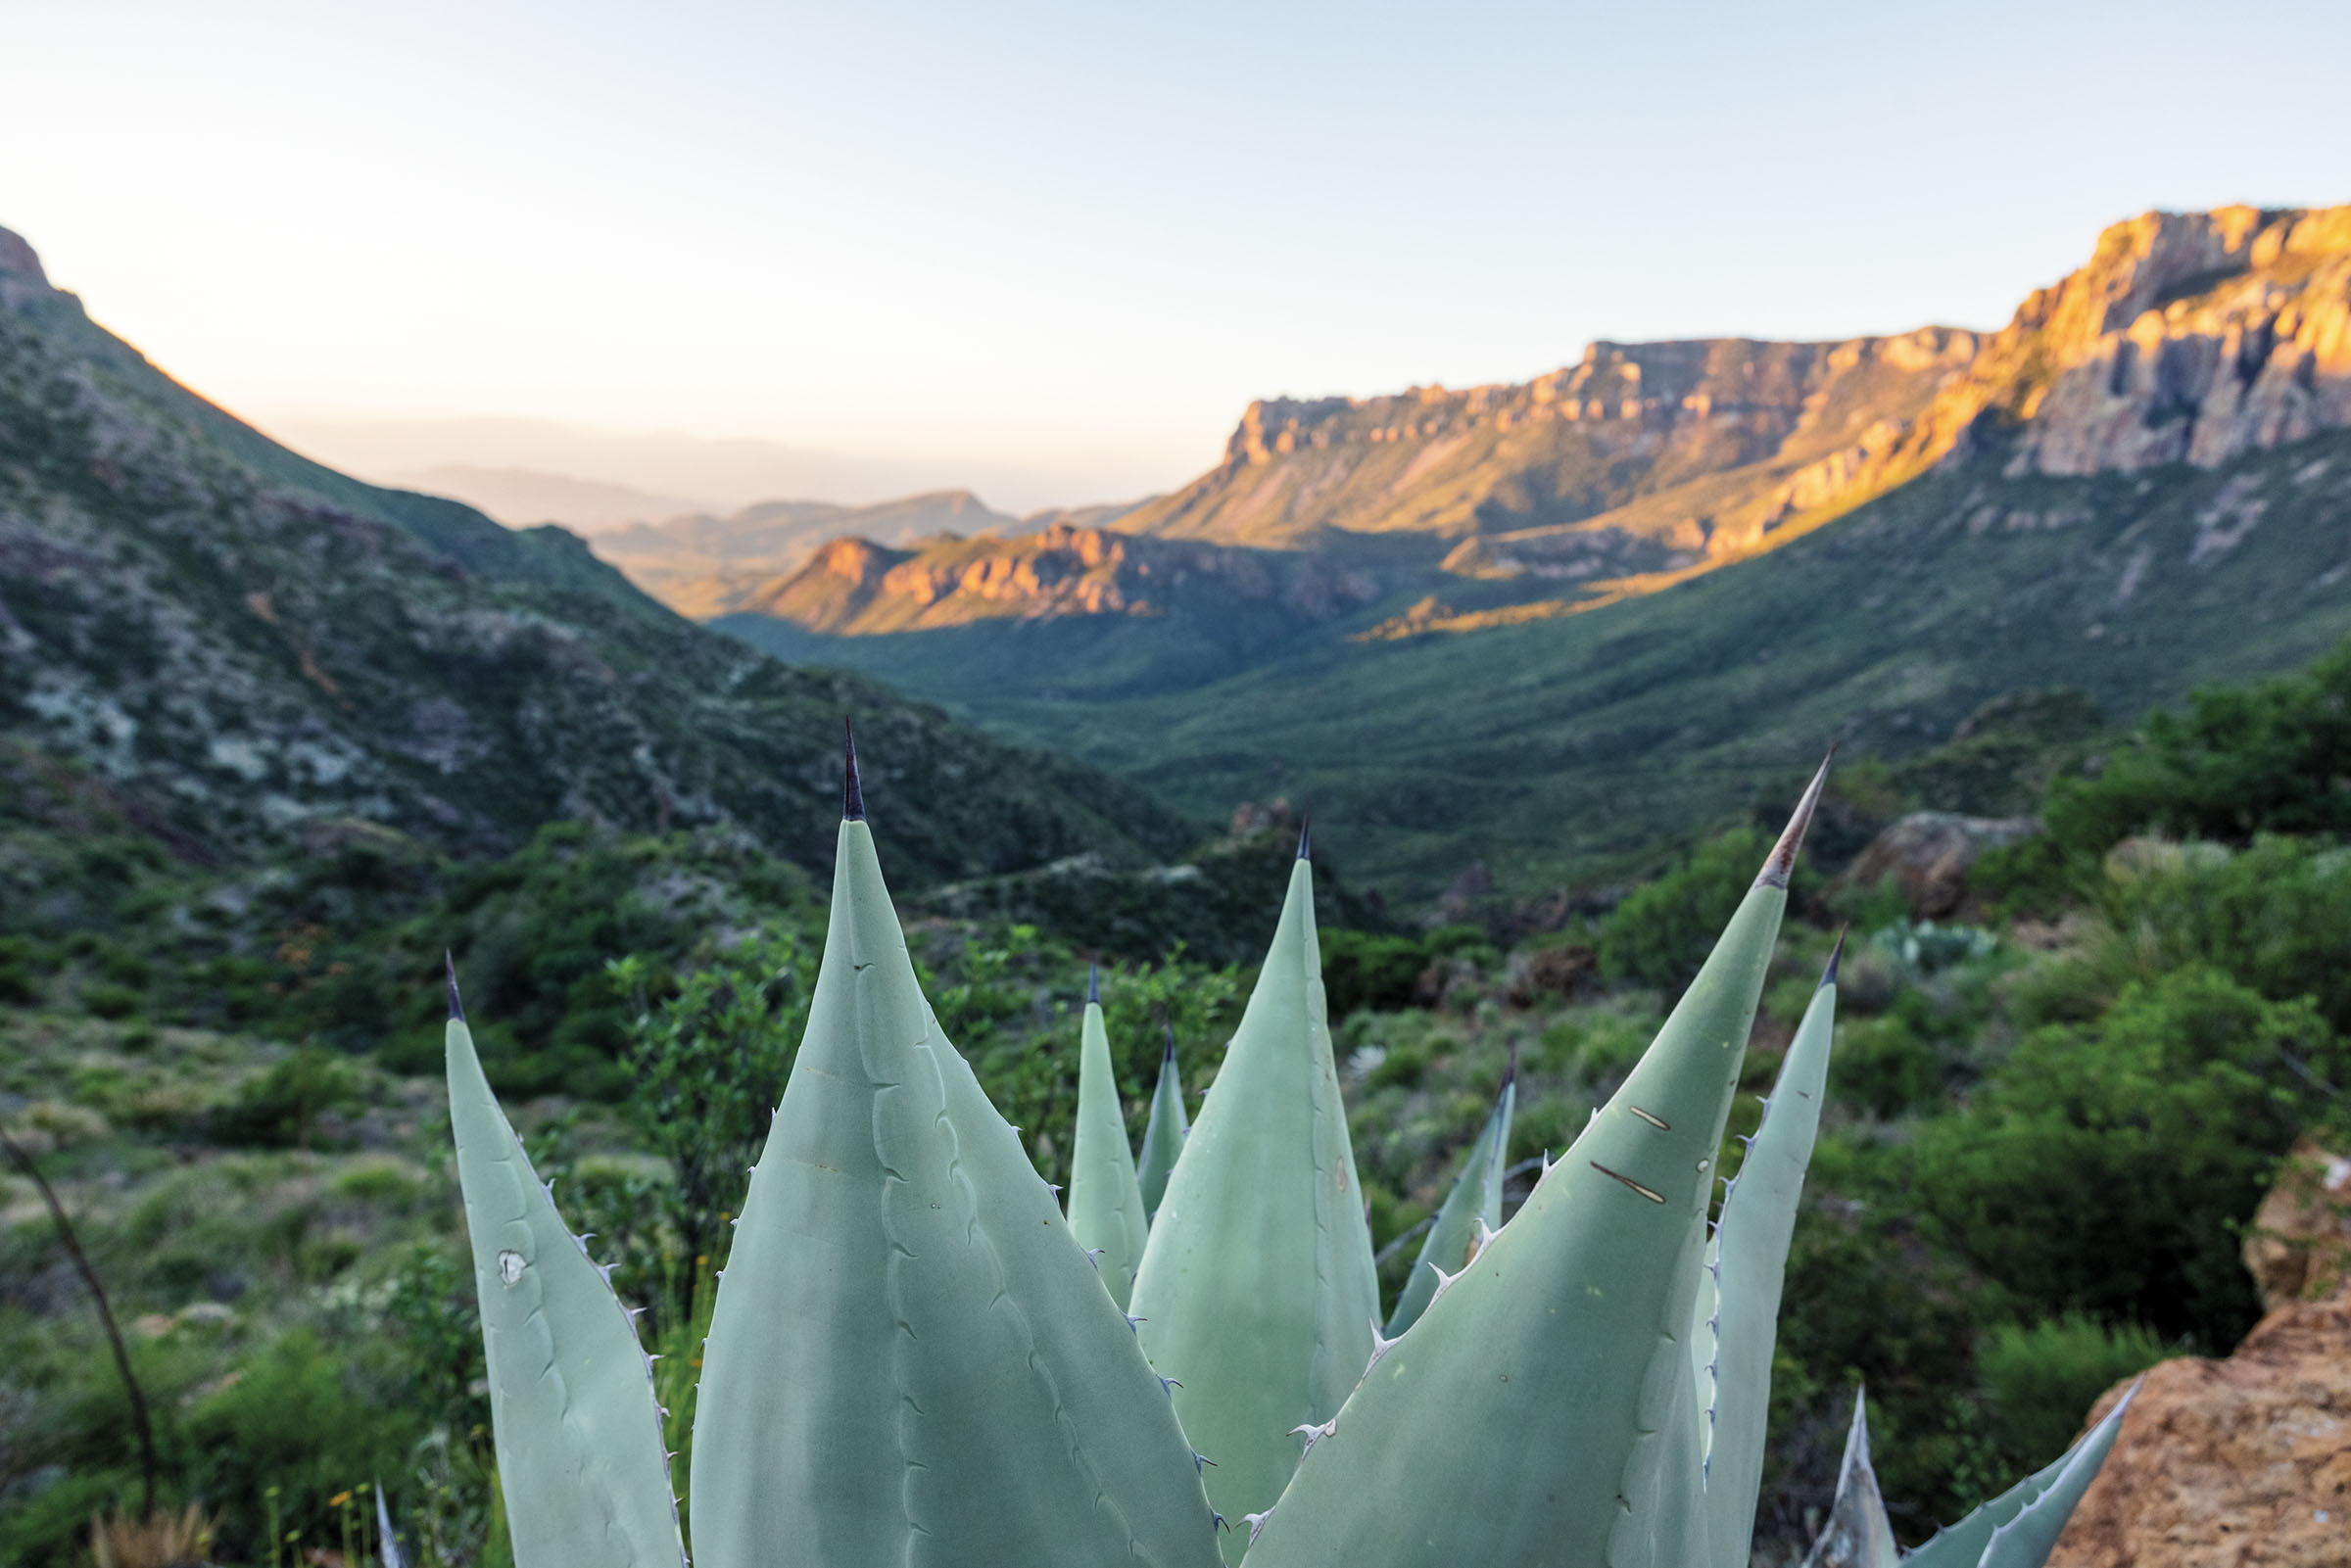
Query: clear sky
x=1073, y=240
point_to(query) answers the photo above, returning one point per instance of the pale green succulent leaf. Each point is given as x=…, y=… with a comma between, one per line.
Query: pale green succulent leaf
x=1106, y=1202
x=1258, y=1291
x=1543, y=1409
x=1747, y=1261
x=911, y=1363
x=2018, y=1528
x=580, y=1459
x=1857, y=1533
x=1163, y=1136
x=1474, y=1198
x=2031, y=1531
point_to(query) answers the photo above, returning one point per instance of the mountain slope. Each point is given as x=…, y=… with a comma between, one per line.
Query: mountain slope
x=1565, y=749
x=2135, y=487
x=240, y=640
x=703, y=565
x=2187, y=337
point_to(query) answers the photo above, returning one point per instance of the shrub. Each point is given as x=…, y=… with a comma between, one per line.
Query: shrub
x=105, y=999
x=280, y=1109
x=1365, y=970
x=2044, y=1378
x=2106, y=1166
x=1661, y=932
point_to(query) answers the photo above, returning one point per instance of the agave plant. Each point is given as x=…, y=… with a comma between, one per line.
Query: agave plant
x=916, y=1358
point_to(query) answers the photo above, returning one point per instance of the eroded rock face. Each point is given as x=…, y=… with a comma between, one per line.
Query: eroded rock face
x=2298, y=1247
x=2190, y=337
x=2247, y=1460
x=1928, y=854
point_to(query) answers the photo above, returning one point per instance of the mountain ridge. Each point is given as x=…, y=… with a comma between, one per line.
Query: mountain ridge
x=2192, y=337
x=2135, y=487
x=241, y=642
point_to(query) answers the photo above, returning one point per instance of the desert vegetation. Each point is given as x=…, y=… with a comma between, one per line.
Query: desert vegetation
x=2049, y=1112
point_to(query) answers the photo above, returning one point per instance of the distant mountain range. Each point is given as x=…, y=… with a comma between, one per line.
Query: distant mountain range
x=2137, y=484
x=241, y=645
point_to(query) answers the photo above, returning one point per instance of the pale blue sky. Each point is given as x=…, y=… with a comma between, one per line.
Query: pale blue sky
x=1077, y=239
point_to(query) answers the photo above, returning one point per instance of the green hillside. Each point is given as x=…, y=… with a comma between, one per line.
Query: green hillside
x=244, y=644
x=1569, y=749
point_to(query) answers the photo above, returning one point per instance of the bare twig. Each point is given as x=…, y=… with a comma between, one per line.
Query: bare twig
x=105, y=1316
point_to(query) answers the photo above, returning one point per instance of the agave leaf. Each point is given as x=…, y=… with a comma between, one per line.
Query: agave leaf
x=1106, y=1205
x=2017, y=1527
x=579, y=1461
x=910, y=1362
x=1475, y=1198
x=1857, y=1535
x=1257, y=1292
x=1736, y=1315
x=387, y=1544
x=1163, y=1138
x=1542, y=1411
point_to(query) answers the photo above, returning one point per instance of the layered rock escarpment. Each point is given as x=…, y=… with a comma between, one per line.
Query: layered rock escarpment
x=1675, y=444
x=2189, y=338
x=855, y=587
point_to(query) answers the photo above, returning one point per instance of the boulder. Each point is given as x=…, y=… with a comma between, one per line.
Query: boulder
x=1929, y=854
x=2246, y=1461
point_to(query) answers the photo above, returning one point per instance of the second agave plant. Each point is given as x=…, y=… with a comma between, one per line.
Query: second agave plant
x=916, y=1360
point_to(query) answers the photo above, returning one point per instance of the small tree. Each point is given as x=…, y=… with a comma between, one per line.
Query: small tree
x=708, y=1067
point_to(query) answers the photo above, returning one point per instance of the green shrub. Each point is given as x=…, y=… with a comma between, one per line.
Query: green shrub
x=105, y=999
x=1661, y=932
x=280, y=1109
x=1882, y=1066
x=2106, y=1166
x=1366, y=970
x=295, y=1418
x=2044, y=1378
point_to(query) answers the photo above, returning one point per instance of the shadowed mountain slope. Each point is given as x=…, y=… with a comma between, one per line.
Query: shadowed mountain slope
x=241, y=640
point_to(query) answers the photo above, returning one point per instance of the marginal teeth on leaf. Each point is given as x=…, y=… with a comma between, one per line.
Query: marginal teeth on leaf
x=1313, y=1435
x=1256, y=1523
x=1379, y=1347
x=1444, y=1283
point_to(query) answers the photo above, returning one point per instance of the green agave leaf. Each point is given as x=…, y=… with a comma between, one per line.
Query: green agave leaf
x=1857, y=1533
x=579, y=1461
x=1543, y=1409
x=2018, y=1528
x=1737, y=1314
x=1474, y=1202
x=1106, y=1205
x=1258, y=1293
x=910, y=1362
x=1163, y=1138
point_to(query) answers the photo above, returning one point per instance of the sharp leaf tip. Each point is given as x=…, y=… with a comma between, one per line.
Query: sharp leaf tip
x=852, y=788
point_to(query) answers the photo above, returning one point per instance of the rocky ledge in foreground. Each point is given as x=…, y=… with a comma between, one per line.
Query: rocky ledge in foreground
x=2245, y=1461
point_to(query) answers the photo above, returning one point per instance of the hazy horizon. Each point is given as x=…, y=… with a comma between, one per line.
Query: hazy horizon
x=1050, y=253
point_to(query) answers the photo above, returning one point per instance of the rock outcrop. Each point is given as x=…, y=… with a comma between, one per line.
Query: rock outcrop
x=857, y=587
x=2190, y=337
x=2243, y=1461
x=2299, y=1246
x=1928, y=854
